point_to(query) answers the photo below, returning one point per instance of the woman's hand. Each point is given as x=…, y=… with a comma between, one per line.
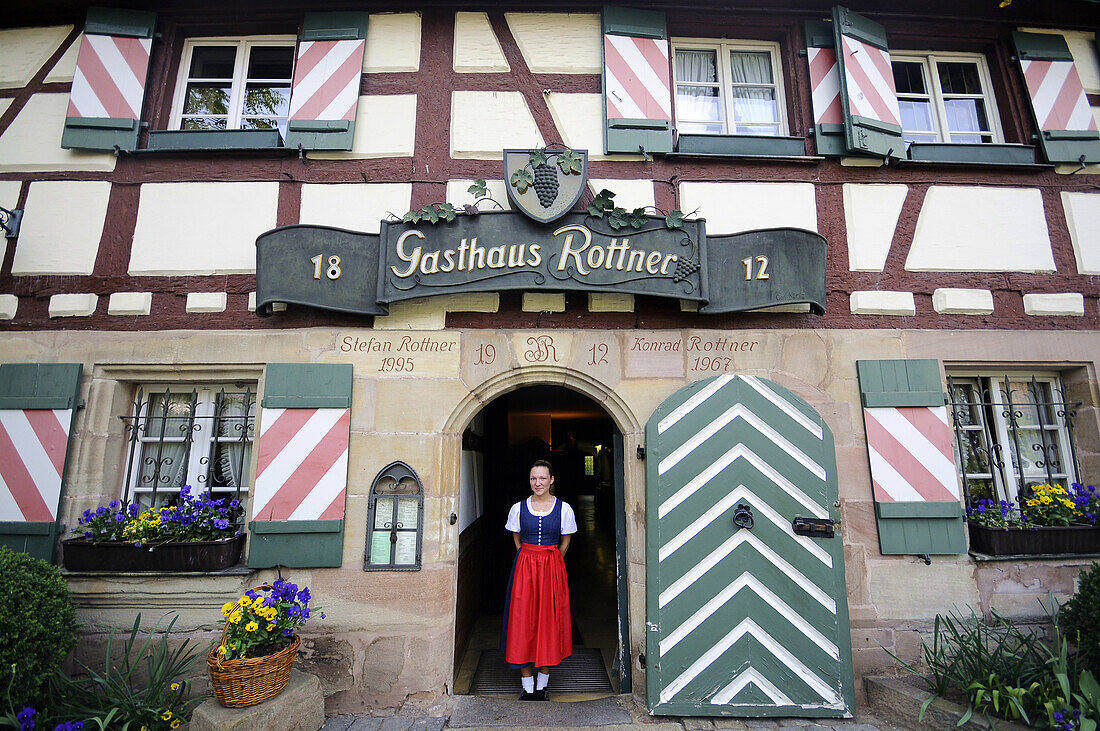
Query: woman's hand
x=564, y=545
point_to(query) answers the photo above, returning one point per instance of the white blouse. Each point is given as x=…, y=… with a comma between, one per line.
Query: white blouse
x=568, y=517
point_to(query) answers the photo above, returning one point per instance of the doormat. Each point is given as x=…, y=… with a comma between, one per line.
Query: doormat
x=581, y=672
x=471, y=711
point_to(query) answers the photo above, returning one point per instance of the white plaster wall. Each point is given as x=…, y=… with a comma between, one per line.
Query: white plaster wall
x=33, y=141
x=562, y=43
x=393, y=43
x=731, y=208
x=629, y=194
x=484, y=123
x=1083, y=218
x=477, y=49
x=458, y=194
x=354, y=206
x=385, y=126
x=954, y=301
x=878, y=302
x=65, y=68
x=871, y=215
x=201, y=228
x=9, y=198
x=24, y=50
x=4, y=104
x=62, y=225
x=978, y=229
x=580, y=122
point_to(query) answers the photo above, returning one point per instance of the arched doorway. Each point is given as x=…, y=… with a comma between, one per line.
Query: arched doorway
x=584, y=444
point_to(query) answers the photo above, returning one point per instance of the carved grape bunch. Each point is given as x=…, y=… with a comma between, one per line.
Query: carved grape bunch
x=684, y=269
x=546, y=184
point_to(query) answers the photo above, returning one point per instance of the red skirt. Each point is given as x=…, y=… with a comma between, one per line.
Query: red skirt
x=539, y=626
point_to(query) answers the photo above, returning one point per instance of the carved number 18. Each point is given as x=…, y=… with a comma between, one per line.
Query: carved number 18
x=333, y=271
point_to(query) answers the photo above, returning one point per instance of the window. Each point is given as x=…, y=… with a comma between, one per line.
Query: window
x=728, y=88
x=200, y=437
x=395, y=516
x=230, y=84
x=945, y=98
x=1012, y=431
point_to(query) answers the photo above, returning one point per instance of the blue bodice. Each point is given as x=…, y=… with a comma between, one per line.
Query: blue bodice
x=542, y=530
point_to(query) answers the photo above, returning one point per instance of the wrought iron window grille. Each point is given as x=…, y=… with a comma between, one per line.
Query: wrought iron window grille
x=997, y=418
x=161, y=429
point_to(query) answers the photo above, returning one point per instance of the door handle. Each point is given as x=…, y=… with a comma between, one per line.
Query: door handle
x=742, y=516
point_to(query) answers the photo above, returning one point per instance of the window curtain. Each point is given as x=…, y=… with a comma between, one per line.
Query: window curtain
x=753, y=105
x=231, y=457
x=697, y=103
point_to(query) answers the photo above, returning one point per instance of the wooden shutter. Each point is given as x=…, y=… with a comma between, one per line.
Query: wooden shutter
x=825, y=89
x=909, y=445
x=37, y=409
x=327, y=74
x=637, y=82
x=869, y=101
x=301, y=466
x=1067, y=127
x=108, y=87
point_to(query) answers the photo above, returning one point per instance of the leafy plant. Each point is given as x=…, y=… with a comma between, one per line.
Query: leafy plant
x=191, y=518
x=994, y=514
x=145, y=687
x=262, y=623
x=1080, y=617
x=37, y=624
x=1049, y=505
x=1005, y=700
x=603, y=206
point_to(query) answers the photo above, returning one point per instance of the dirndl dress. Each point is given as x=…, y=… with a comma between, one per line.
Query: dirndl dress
x=537, y=623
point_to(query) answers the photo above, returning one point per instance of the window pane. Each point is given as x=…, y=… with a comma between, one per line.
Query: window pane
x=697, y=66
x=203, y=123
x=698, y=103
x=270, y=62
x=909, y=77
x=207, y=99
x=751, y=67
x=702, y=128
x=959, y=78
x=266, y=100
x=170, y=420
x=966, y=115
x=916, y=116
x=232, y=437
x=212, y=62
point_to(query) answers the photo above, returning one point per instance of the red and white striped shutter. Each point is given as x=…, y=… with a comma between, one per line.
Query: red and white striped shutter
x=108, y=86
x=37, y=408
x=911, y=453
x=869, y=101
x=1067, y=126
x=637, y=81
x=302, y=464
x=825, y=89
x=327, y=73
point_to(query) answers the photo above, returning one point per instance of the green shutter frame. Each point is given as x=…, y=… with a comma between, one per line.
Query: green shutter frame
x=301, y=543
x=634, y=135
x=107, y=133
x=863, y=135
x=1059, y=145
x=327, y=134
x=912, y=528
x=828, y=137
x=39, y=386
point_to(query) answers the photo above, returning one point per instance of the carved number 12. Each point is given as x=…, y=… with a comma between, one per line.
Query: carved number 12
x=333, y=271
x=761, y=271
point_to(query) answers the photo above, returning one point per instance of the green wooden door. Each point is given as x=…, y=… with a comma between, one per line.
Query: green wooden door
x=743, y=621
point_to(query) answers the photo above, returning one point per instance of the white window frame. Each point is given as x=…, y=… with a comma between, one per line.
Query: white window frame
x=722, y=51
x=200, y=455
x=1006, y=479
x=928, y=61
x=244, y=45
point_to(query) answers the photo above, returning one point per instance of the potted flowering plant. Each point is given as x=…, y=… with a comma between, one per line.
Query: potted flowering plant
x=196, y=533
x=1050, y=519
x=252, y=661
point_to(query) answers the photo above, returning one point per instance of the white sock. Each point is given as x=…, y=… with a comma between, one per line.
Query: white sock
x=544, y=678
x=528, y=684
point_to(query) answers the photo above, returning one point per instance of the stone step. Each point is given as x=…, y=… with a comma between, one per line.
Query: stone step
x=300, y=707
x=900, y=701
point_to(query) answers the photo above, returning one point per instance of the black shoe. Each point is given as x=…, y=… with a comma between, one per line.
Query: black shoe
x=542, y=695
x=525, y=696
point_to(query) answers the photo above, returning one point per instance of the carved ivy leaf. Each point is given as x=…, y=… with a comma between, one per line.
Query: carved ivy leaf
x=570, y=163
x=447, y=212
x=411, y=217
x=618, y=218
x=479, y=189
x=430, y=213
x=674, y=219
x=638, y=217
x=537, y=157
x=602, y=203
x=523, y=179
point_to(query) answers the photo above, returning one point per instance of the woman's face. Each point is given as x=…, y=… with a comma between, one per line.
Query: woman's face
x=540, y=480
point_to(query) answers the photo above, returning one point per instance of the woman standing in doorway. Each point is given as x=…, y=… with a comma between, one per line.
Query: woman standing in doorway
x=537, y=624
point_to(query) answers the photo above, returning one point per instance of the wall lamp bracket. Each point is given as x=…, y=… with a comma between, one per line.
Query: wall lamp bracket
x=10, y=220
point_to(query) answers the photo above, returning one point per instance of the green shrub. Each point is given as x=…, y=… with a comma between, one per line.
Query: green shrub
x=1080, y=618
x=37, y=624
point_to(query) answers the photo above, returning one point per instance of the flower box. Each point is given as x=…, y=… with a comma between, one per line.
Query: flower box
x=1033, y=541
x=79, y=554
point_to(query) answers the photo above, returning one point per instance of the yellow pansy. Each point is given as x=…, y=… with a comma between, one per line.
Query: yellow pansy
x=222, y=649
x=251, y=627
x=227, y=608
x=244, y=601
x=235, y=617
x=176, y=723
x=166, y=715
x=175, y=686
x=270, y=627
